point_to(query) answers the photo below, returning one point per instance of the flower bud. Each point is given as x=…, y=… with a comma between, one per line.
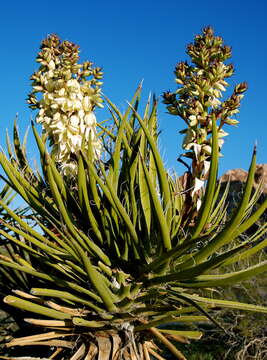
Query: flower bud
x=179, y=81
x=222, y=133
x=231, y=121
x=240, y=88
x=219, y=86
x=172, y=110
x=37, y=88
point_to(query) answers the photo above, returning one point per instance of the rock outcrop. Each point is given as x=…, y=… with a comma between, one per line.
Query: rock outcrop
x=238, y=177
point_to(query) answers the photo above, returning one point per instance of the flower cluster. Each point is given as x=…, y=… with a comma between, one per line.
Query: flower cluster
x=199, y=97
x=67, y=101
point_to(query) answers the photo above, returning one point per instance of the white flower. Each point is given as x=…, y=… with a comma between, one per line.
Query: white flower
x=193, y=120
x=90, y=119
x=198, y=185
x=206, y=167
x=73, y=85
x=87, y=106
x=69, y=168
x=51, y=65
x=67, y=117
x=74, y=120
x=206, y=149
x=47, y=120
x=77, y=104
x=197, y=150
x=62, y=92
x=56, y=116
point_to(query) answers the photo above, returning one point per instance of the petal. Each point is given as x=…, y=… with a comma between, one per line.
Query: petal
x=74, y=120
x=90, y=119
x=198, y=185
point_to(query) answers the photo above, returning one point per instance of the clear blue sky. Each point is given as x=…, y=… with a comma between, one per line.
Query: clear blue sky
x=135, y=40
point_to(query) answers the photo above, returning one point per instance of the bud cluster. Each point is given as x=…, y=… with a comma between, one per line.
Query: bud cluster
x=199, y=97
x=66, y=100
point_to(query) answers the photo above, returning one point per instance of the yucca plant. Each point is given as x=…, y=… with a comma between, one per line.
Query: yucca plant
x=115, y=252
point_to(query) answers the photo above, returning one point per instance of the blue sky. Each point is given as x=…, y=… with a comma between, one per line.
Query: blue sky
x=135, y=40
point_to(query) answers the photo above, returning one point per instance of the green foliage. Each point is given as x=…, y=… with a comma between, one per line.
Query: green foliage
x=111, y=253
x=9, y=249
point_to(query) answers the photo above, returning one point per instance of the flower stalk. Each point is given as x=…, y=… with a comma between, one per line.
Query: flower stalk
x=198, y=100
x=65, y=99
